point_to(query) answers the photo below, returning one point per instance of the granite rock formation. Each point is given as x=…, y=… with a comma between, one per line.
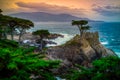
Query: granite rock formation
x=80, y=50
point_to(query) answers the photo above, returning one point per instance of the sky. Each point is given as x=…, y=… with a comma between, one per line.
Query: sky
x=106, y=10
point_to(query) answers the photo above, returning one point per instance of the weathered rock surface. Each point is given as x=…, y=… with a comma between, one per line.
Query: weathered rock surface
x=80, y=50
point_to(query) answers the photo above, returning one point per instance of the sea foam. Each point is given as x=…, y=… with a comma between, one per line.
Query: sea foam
x=104, y=43
x=60, y=40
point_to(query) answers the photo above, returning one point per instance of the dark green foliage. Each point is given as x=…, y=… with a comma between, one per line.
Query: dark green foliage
x=79, y=22
x=8, y=44
x=104, y=69
x=107, y=68
x=42, y=33
x=85, y=28
x=8, y=25
x=4, y=25
x=23, y=23
x=22, y=26
x=20, y=63
x=82, y=25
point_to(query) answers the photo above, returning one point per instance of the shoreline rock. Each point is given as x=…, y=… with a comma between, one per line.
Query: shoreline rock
x=80, y=51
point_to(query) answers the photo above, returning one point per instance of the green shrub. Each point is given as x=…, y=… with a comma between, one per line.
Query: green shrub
x=19, y=64
x=107, y=68
x=4, y=43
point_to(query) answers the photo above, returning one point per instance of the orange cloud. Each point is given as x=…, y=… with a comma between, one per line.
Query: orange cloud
x=43, y=7
x=74, y=7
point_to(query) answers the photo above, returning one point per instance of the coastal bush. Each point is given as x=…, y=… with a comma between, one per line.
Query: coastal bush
x=107, y=68
x=22, y=64
x=4, y=43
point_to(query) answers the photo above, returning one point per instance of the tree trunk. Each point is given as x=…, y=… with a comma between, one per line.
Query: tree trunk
x=79, y=29
x=0, y=36
x=20, y=35
x=5, y=34
x=12, y=35
x=41, y=47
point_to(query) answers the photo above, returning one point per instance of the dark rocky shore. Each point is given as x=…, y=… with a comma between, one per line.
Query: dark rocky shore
x=79, y=50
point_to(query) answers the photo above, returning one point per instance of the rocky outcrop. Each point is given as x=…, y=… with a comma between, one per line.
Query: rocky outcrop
x=54, y=36
x=80, y=50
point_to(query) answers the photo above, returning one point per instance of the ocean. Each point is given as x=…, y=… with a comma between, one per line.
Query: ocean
x=109, y=32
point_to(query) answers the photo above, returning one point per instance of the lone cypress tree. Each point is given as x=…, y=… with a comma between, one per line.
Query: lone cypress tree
x=81, y=24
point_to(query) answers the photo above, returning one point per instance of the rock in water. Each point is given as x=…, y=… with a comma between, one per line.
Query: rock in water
x=80, y=50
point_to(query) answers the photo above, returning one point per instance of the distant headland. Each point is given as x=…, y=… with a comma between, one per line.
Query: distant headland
x=48, y=17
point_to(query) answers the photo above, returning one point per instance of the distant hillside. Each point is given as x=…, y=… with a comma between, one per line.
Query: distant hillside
x=46, y=17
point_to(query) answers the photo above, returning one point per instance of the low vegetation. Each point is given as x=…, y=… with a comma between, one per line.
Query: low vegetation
x=22, y=64
x=107, y=68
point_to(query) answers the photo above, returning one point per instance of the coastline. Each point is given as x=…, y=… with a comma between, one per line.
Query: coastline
x=59, y=40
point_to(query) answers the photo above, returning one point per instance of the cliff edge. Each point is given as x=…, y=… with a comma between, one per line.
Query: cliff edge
x=80, y=50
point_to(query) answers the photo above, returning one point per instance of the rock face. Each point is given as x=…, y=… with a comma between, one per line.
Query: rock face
x=54, y=36
x=80, y=50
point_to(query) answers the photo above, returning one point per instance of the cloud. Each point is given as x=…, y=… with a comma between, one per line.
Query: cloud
x=6, y=4
x=107, y=10
x=113, y=7
x=44, y=7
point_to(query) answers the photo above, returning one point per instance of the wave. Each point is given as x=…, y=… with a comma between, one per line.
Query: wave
x=118, y=53
x=104, y=43
x=61, y=40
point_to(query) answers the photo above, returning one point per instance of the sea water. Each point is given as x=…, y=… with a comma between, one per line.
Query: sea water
x=109, y=32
